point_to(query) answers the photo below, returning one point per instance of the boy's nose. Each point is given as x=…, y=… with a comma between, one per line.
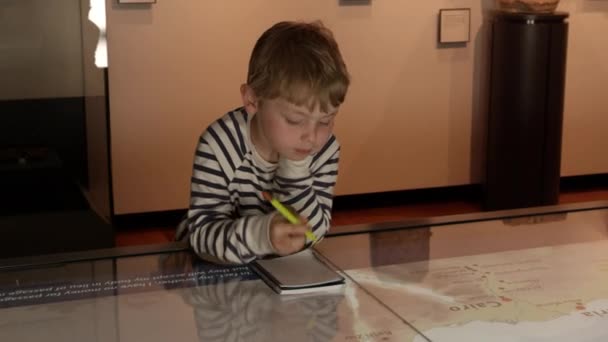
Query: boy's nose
x=310, y=134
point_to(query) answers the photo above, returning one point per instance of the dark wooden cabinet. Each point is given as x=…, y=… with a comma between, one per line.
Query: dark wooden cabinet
x=527, y=79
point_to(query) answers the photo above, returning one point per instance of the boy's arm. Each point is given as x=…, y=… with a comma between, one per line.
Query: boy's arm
x=308, y=185
x=214, y=231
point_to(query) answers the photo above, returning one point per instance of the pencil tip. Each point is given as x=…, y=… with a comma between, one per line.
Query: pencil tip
x=266, y=196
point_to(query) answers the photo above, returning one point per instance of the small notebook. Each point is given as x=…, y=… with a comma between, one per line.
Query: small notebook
x=301, y=272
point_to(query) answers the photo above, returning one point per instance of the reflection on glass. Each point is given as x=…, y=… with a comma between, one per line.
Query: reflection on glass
x=399, y=246
x=536, y=219
x=55, y=303
x=248, y=310
x=97, y=15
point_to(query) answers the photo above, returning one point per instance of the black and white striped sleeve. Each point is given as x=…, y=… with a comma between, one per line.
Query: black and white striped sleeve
x=214, y=230
x=308, y=185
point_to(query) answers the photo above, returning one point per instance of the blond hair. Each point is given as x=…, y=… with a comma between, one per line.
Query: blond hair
x=301, y=63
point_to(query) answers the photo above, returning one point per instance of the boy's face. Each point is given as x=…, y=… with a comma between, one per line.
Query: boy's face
x=291, y=131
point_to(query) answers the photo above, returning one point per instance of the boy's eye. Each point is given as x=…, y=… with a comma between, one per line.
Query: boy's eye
x=293, y=122
x=326, y=121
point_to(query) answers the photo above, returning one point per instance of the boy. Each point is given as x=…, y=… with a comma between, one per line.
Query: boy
x=279, y=142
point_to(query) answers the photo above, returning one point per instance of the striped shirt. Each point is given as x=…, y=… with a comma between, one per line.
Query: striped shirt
x=228, y=219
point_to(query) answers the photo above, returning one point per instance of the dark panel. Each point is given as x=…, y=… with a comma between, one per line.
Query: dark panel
x=57, y=124
x=53, y=232
x=555, y=108
x=525, y=112
x=43, y=159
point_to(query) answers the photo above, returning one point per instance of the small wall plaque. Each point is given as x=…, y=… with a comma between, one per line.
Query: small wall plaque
x=454, y=25
x=136, y=1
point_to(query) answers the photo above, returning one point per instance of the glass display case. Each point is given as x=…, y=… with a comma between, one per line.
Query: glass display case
x=529, y=275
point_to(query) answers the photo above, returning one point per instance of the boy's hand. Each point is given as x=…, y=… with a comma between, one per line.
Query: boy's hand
x=287, y=238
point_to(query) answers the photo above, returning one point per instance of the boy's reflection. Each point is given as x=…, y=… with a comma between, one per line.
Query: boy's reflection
x=245, y=309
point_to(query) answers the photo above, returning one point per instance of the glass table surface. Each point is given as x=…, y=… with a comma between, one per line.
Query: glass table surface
x=530, y=278
x=524, y=277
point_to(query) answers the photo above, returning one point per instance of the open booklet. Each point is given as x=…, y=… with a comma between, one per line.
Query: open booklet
x=298, y=273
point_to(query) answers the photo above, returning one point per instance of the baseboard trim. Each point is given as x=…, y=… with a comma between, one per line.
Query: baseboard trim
x=159, y=219
x=585, y=182
x=471, y=192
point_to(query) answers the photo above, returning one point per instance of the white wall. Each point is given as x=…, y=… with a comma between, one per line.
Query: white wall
x=414, y=113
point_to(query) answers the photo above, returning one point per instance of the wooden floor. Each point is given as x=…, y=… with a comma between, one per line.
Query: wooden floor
x=155, y=235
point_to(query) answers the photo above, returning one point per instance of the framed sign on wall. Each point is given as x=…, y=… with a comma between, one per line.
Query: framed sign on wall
x=136, y=1
x=454, y=25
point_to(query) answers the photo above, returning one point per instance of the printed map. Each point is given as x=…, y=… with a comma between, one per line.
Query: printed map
x=557, y=293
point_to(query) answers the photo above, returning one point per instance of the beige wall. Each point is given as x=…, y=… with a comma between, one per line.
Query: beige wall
x=413, y=114
x=40, y=49
x=586, y=103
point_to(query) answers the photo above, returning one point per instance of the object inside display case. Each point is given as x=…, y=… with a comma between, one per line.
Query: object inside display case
x=528, y=6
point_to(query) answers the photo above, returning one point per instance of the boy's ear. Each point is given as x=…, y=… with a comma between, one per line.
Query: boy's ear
x=250, y=100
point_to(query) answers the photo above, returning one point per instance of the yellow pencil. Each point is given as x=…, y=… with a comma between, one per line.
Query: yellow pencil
x=287, y=214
